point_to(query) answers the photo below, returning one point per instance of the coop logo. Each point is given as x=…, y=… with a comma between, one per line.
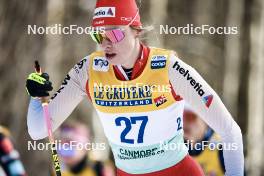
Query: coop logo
x=102, y=12
x=158, y=62
x=160, y=100
x=100, y=64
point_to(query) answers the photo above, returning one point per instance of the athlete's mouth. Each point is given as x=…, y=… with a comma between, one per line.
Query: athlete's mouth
x=110, y=56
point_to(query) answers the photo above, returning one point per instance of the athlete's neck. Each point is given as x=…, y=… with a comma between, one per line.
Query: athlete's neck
x=133, y=58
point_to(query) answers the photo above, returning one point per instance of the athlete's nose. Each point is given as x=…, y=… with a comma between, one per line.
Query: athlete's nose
x=107, y=45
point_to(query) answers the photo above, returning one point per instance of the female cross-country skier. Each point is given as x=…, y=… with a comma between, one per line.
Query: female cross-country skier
x=139, y=94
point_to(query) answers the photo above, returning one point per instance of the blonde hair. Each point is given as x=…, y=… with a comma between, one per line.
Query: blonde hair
x=143, y=30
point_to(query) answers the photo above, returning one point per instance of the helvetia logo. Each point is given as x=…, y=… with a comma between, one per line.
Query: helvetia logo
x=208, y=100
x=196, y=85
x=103, y=12
x=186, y=73
x=110, y=12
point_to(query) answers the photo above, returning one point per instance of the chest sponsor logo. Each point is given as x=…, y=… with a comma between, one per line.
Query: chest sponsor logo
x=158, y=62
x=160, y=100
x=103, y=12
x=126, y=96
x=100, y=64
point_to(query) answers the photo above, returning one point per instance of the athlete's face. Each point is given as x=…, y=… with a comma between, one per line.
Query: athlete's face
x=71, y=138
x=74, y=155
x=120, y=52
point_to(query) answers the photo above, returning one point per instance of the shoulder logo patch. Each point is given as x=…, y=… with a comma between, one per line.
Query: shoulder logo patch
x=100, y=64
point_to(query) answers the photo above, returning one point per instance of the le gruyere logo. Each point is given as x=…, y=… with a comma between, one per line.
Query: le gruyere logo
x=122, y=96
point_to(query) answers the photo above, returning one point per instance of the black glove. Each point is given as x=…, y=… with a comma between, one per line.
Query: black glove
x=38, y=85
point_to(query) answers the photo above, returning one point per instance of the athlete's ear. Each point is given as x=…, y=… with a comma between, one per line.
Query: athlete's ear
x=135, y=31
x=138, y=33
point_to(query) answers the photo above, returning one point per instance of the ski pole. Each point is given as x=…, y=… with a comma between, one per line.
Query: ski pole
x=47, y=118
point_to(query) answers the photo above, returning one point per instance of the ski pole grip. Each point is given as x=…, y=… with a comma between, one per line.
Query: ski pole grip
x=37, y=67
x=44, y=100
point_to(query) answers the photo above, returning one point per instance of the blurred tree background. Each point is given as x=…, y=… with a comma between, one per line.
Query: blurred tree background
x=232, y=64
